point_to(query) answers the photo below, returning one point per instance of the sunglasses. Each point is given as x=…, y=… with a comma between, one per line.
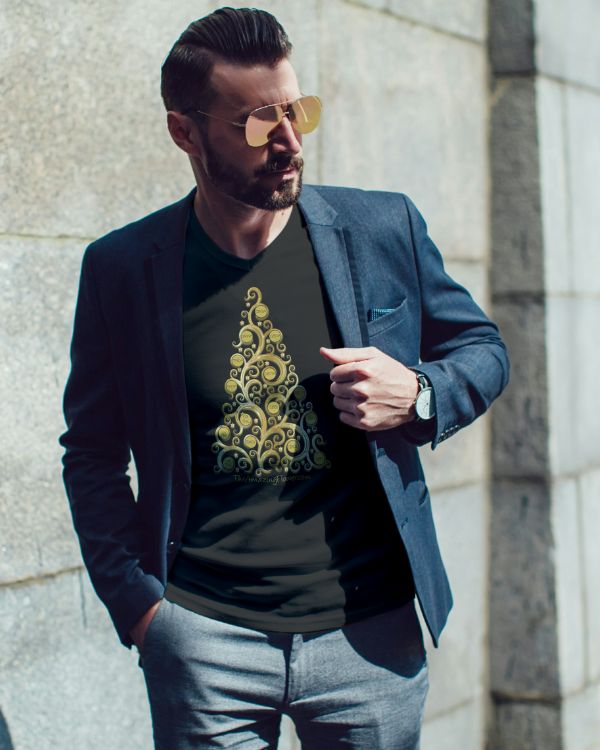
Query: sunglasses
x=304, y=114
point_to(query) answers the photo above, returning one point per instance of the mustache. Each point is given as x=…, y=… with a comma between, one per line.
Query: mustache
x=282, y=162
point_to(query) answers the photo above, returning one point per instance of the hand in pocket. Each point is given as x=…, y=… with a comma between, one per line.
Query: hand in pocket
x=138, y=631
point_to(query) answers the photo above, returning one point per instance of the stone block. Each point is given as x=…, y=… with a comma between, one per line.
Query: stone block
x=380, y=5
x=474, y=277
x=573, y=397
x=589, y=499
x=567, y=40
x=418, y=129
x=581, y=720
x=462, y=728
x=520, y=417
x=558, y=252
x=583, y=148
x=525, y=726
x=586, y=365
x=516, y=225
x=64, y=671
x=457, y=668
x=511, y=36
x=464, y=17
x=39, y=287
x=522, y=613
x=569, y=585
x=82, y=91
x=563, y=384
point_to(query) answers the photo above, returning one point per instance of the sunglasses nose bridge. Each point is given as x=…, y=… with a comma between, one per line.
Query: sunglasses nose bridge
x=263, y=124
x=286, y=131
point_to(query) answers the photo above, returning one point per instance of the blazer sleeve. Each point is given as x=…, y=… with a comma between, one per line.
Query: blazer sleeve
x=95, y=464
x=462, y=352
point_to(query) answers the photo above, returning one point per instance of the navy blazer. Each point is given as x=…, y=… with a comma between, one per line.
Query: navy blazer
x=126, y=388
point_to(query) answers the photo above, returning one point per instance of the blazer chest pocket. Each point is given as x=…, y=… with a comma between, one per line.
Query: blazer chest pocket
x=385, y=318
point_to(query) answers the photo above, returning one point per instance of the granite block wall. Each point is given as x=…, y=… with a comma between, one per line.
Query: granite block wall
x=568, y=101
x=487, y=115
x=545, y=145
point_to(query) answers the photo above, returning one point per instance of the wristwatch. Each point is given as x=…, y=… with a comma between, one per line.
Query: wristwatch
x=425, y=401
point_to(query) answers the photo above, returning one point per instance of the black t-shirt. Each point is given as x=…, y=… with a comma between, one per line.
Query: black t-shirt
x=289, y=528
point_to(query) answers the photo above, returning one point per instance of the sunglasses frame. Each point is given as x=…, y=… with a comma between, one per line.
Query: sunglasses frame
x=258, y=109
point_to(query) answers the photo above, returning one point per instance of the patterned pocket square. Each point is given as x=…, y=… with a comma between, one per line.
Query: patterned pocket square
x=377, y=312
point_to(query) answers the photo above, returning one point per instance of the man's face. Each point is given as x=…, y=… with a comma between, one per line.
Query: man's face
x=252, y=174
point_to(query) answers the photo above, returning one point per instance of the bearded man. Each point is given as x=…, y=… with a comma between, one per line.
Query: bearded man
x=272, y=355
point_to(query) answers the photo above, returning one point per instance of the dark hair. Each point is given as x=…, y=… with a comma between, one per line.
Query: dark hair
x=246, y=36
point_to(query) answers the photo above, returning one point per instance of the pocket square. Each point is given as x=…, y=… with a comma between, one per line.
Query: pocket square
x=376, y=312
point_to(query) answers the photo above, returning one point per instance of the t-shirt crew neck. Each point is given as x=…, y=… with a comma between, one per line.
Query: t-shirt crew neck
x=199, y=235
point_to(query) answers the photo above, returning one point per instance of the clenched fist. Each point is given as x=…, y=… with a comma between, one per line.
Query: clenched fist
x=372, y=390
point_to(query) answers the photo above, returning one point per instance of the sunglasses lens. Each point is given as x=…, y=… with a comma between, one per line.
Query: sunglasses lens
x=260, y=123
x=304, y=114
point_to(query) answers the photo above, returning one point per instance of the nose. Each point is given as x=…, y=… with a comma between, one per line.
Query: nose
x=285, y=136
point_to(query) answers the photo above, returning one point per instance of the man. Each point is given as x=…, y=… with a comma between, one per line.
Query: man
x=272, y=355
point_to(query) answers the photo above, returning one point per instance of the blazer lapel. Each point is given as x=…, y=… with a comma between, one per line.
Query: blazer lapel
x=164, y=278
x=335, y=264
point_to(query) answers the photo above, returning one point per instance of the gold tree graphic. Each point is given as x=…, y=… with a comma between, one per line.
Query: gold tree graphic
x=268, y=428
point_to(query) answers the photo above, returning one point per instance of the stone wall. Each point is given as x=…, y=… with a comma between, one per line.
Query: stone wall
x=568, y=103
x=545, y=598
x=409, y=106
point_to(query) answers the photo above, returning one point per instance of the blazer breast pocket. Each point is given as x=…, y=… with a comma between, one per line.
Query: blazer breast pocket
x=385, y=318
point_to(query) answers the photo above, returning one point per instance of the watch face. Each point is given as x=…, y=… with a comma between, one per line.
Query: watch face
x=424, y=404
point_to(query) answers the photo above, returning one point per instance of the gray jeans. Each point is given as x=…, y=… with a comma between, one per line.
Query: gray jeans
x=212, y=684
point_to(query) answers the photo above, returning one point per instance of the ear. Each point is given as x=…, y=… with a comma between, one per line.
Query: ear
x=184, y=132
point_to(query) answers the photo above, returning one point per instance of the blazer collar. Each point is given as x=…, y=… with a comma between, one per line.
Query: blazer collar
x=171, y=224
x=335, y=257
x=315, y=208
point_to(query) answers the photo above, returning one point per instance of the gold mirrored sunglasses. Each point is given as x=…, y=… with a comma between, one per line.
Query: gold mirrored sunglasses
x=304, y=114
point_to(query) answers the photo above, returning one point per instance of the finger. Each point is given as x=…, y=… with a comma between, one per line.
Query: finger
x=343, y=373
x=346, y=354
x=350, y=372
x=351, y=419
x=354, y=389
x=342, y=389
x=348, y=405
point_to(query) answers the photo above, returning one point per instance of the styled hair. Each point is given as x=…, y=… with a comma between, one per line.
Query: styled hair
x=244, y=36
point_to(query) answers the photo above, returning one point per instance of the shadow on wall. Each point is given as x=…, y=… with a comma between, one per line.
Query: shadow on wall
x=5, y=740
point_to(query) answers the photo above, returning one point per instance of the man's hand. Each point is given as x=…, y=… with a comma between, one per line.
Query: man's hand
x=138, y=631
x=372, y=390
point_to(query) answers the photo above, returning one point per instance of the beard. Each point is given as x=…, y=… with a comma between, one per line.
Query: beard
x=234, y=183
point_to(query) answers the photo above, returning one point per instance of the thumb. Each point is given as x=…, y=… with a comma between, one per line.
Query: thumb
x=344, y=354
